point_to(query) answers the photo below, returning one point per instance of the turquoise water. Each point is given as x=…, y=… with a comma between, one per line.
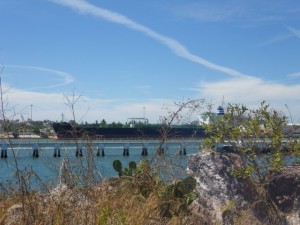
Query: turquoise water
x=46, y=168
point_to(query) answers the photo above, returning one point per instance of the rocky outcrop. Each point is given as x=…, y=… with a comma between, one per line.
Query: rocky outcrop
x=218, y=191
x=284, y=190
x=226, y=199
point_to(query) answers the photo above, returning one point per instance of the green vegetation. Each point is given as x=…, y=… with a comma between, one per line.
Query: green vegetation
x=117, y=165
x=259, y=136
x=262, y=140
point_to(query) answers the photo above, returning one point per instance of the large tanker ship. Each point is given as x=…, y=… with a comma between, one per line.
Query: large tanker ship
x=69, y=131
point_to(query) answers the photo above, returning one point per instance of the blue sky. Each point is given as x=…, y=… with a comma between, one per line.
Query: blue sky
x=122, y=57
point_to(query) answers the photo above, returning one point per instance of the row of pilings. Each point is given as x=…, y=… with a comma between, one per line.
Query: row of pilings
x=4, y=151
x=100, y=150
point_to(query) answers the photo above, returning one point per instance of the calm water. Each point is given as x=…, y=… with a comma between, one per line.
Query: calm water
x=47, y=167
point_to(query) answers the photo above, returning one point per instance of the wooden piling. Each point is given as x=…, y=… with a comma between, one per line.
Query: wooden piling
x=126, y=150
x=35, y=153
x=4, y=151
x=56, y=150
x=145, y=150
x=100, y=150
x=182, y=150
x=79, y=151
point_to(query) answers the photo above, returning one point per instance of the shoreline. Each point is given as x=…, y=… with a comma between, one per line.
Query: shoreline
x=27, y=136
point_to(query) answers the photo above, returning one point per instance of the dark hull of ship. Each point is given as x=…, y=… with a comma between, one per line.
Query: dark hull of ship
x=67, y=131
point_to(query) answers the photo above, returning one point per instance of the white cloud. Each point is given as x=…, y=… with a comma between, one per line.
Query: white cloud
x=67, y=78
x=115, y=110
x=251, y=91
x=246, y=90
x=296, y=32
x=294, y=75
x=212, y=11
x=144, y=88
x=83, y=6
x=19, y=101
x=240, y=88
x=237, y=11
x=52, y=105
x=276, y=39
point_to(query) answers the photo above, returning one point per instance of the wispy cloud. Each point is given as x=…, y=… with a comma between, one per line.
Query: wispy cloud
x=294, y=75
x=239, y=87
x=51, y=106
x=66, y=77
x=256, y=11
x=144, y=88
x=295, y=32
x=45, y=105
x=177, y=48
x=211, y=11
x=251, y=91
x=276, y=39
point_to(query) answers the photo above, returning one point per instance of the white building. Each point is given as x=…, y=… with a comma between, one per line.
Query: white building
x=204, y=119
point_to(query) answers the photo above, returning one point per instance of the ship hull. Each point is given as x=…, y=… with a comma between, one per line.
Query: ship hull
x=67, y=131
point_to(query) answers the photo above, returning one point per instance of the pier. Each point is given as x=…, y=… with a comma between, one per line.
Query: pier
x=58, y=148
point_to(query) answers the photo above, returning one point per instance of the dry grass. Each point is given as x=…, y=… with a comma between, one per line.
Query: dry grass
x=126, y=200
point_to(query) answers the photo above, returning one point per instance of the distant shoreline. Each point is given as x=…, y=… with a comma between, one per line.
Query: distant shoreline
x=26, y=136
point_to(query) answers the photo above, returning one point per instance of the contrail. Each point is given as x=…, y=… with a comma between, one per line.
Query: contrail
x=294, y=31
x=67, y=78
x=180, y=50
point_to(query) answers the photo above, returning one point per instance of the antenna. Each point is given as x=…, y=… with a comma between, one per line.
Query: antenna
x=223, y=102
x=144, y=111
x=31, y=112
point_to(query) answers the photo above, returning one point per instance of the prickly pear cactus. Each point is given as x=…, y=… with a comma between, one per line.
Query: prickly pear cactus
x=127, y=171
x=131, y=168
x=180, y=188
x=117, y=165
x=180, y=193
x=132, y=165
x=187, y=185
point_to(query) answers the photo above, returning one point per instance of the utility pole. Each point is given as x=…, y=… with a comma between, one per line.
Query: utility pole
x=31, y=112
